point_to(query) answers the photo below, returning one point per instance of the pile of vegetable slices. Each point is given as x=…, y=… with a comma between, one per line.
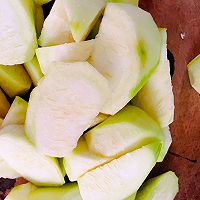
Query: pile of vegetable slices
x=100, y=105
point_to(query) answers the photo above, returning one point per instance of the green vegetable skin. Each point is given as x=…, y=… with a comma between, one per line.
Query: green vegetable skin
x=4, y=104
x=163, y=187
x=67, y=192
x=134, y=2
x=194, y=73
x=34, y=70
x=14, y=80
x=41, y=2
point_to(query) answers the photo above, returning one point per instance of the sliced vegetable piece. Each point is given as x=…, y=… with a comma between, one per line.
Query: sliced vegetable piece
x=164, y=186
x=72, y=52
x=156, y=97
x=39, y=19
x=18, y=35
x=70, y=96
x=194, y=73
x=19, y=153
x=134, y=2
x=126, y=52
x=120, y=178
x=56, y=28
x=21, y=192
x=69, y=191
x=82, y=15
x=166, y=144
x=6, y=171
x=34, y=70
x=129, y=129
x=14, y=80
x=16, y=113
x=82, y=160
x=4, y=104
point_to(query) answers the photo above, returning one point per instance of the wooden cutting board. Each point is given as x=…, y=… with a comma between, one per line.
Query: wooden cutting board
x=182, y=19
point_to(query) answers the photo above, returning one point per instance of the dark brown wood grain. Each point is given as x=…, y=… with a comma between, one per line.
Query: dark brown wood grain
x=182, y=17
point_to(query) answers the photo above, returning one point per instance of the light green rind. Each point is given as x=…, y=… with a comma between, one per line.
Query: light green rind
x=166, y=144
x=34, y=70
x=156, y=97
x=18, y=35
x=134, y=2
x=19, y=153
x=194, y=73
x=16, y=113
x=69, y=191
x=163, y=187
x=123, y=52
x=121, y=177
x=82, y=15
x=21, y=192
x=14, y=80
x=129, y=129
x=4, y=104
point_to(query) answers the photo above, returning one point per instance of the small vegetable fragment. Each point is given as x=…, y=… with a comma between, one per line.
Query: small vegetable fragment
x=194, y=73
x=134, y=2
x=34, y=70
x=41, y=2
x=39, y=19
x=14, y=80
x=4, y=104
x=82, y=16
x=16, y=113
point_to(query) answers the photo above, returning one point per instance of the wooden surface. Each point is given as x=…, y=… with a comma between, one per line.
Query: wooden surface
x=182, y=17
